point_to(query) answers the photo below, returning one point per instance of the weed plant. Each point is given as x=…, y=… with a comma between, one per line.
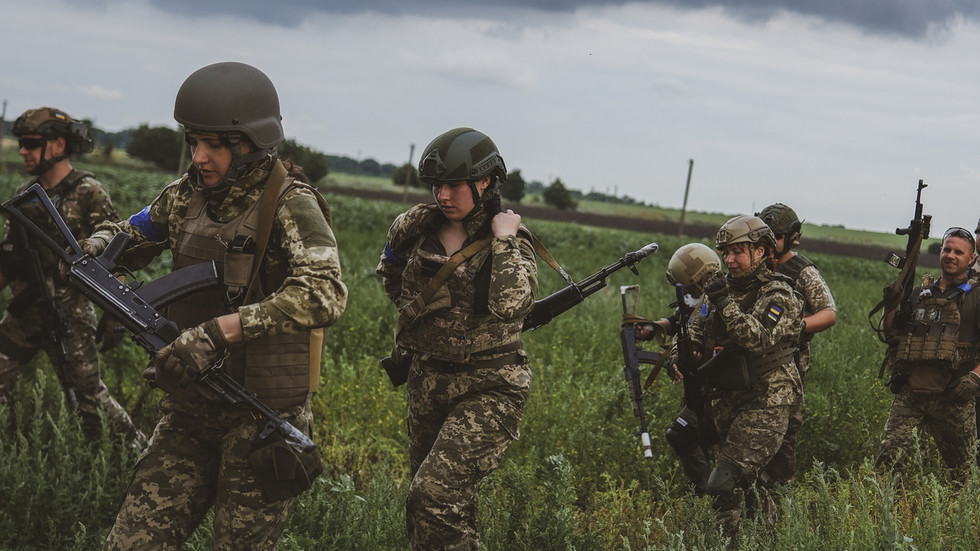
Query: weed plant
x=575, y=480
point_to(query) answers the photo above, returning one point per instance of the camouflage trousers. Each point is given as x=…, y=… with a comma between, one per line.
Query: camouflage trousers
x=198, y=457
x=781, y=470
x=751, y=426
x=952, y=424
x=459, y=426
x=21, y=339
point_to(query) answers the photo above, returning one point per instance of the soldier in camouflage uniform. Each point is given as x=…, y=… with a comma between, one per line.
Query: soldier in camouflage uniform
x=935, y=374
x=752, y=318
x=203, y=452
x=819, y=314
x=47, y=137
x=468, y=380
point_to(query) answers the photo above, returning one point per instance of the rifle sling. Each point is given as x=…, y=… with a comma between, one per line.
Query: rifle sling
x=267, y=214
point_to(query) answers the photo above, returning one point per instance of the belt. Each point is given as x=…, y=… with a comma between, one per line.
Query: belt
x=442, y=366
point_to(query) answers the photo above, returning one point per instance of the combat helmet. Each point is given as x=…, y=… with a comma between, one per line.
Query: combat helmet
x=782, y=220
x=232, y=98
x=745, y=229
x=691, y=264
x=463, y=154
x=51, y=123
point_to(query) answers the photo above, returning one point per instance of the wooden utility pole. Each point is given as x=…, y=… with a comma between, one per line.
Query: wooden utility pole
x=687, y=191
x=408, y=173
x=3, y=132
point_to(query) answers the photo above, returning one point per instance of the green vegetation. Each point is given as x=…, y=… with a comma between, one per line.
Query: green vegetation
x=575, y=480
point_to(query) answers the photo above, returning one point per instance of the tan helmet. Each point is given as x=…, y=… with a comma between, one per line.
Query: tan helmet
x=744, y=229
x=691, y=264
x=51, y=123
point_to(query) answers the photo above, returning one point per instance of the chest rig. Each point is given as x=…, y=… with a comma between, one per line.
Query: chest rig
x=282, y=370
x=931, y=334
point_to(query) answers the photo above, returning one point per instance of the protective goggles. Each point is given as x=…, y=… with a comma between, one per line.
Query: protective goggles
x=964, y=233
x=30, y=143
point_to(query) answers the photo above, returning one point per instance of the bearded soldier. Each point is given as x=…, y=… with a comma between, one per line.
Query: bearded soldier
x=751, y=319
x=819, y=314
x=463, y=276
x=269, y=233
x=47, y=138
x=936, y=334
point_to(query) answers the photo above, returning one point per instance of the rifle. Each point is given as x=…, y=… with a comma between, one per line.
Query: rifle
x=135, y=307
x=686, y=362
x=634, y=356
x=546, y=309
x=898, y=291
x=55, y=325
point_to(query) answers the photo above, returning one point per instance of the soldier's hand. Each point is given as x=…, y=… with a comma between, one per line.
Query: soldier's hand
x=716, y=287
x=506, y=223
x=181, y=362
x=93, y=245
x=967, y=386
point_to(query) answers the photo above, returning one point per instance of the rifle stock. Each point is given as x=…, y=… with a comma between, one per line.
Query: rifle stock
x=135, y=307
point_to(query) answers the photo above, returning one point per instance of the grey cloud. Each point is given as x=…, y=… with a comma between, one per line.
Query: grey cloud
x=903, y=18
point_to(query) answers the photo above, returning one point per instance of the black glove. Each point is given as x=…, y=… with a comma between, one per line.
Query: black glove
x=716, y=287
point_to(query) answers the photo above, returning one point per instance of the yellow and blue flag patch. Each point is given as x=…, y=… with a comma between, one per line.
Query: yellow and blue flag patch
x=774, y=313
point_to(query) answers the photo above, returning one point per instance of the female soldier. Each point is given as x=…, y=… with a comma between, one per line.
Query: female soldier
x=463, y=276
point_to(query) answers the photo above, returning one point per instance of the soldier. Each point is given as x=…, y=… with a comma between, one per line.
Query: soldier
x=47, y=137
x=935, y=373
x=750, y=319
x=269, y=232
x=468, y=379
x=819, y=314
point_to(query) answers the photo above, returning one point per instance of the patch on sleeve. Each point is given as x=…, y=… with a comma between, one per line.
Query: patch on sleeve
x=774, y=313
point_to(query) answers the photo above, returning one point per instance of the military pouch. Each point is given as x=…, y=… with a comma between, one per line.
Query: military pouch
x=283, y=471
x=929, y=378
x=397, y=370
x=732, y=375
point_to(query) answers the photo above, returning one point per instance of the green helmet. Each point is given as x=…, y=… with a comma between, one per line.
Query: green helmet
x=51, y=123
x=781, y=219
x=461, y=154
x=744, y=229
x=691, y=264
x=231, y=97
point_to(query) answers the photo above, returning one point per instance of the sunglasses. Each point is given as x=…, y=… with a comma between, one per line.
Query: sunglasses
x=30, y=143
x=962, y=233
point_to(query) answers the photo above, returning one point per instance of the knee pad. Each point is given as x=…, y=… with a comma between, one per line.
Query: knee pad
x=722, y=482
x=682, y=434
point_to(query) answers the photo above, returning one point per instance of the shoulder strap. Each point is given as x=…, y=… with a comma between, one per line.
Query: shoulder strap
x=267, y=213
x=411, y=310
x=542, y=251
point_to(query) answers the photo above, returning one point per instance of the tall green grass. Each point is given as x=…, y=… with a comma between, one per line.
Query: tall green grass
x=576, y=478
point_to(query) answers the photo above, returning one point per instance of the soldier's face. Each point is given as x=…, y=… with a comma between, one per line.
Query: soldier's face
x=956, y=256
x=740, y=257
x=456, y=199
x=31, y=146
x=210, y=156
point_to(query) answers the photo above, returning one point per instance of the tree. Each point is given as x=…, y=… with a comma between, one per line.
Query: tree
x=313, y=162
x=159, y=145
x=558, y=196
x=398, y=178
x=512, y=189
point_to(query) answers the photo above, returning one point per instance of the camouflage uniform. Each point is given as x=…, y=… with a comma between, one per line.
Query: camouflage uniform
x=916, y=407
x=83, y=203
x=198, y=456
x=760, y=324
x=816, y=298
x=469, y=380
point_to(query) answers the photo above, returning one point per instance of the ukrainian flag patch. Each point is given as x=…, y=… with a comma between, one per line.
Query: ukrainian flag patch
x=774, y=313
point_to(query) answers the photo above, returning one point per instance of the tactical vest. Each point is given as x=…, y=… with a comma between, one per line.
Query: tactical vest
x=282, y=370
x=738, y=369
x=792, y=269
x=457, y=326
x=932, y=331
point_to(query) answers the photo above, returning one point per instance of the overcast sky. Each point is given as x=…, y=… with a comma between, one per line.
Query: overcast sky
x=835, y=107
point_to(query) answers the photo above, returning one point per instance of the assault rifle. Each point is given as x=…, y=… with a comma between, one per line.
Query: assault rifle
x=55, y=325
x=899, y=290
x=633, y=356
x=545, y=309
x=687, y=362
x=135, y=306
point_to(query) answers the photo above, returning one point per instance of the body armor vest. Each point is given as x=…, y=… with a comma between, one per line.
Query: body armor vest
x=931, y=334
x=792, y=269
x=457, y=325
x=282, y=370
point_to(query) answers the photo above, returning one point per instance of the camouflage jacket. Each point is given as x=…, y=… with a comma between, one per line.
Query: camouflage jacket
x=478, y=312
x=816, y=298
x=83, y=202
x=300, y=269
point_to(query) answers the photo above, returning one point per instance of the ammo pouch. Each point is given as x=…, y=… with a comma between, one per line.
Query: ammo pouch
x=741, y=372
x=397, y=368
x=283, y=471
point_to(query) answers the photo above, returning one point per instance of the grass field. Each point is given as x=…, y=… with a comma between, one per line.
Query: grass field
x=576, y=480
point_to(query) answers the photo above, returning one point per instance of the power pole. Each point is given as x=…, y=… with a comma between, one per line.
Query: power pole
x=408, y=173
x=687, y=190
x=3, y=132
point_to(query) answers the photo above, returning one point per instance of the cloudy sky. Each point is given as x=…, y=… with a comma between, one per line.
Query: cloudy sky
x=835, y=107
